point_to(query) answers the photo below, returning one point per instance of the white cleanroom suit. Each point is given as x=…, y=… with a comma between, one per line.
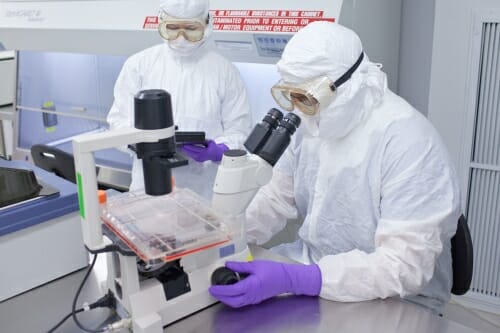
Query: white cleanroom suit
x=370, y=177
x=207, y=93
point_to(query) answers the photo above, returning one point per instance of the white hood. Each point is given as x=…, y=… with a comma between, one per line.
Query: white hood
x=324, y=48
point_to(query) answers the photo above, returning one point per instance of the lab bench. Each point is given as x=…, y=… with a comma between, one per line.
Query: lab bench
x=40, y=238
x=41, y=308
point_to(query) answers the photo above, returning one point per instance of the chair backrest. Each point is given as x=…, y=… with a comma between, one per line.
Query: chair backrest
x=54, y=160
x=462, y=258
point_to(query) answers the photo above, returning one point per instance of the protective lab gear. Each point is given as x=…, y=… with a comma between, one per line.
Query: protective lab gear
x=310, y=95
x=361, y=91
x=171, y=29
x=268, y=279
x=207, y=95
x=210, y=151
x=185, y=9
x=184, y=25
x=306, y=96
x=376, y=188
x=310, y=125
x=184, y=48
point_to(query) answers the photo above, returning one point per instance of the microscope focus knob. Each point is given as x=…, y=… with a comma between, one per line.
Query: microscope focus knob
x=225, y=276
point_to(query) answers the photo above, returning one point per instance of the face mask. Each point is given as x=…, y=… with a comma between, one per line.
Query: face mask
x=183, y=47
x=310, y=125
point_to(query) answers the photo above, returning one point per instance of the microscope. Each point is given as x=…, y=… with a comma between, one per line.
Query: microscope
x=240, y=174
x=165, y=246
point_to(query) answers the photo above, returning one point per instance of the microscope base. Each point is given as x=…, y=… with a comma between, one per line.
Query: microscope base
x=145, y=300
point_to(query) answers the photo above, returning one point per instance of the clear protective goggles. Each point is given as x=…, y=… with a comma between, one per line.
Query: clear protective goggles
x=306, y=96
x=171, y=28
x=310, y=95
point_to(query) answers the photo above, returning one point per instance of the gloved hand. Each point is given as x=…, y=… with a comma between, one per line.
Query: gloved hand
x=211, y=151
x=268, y=279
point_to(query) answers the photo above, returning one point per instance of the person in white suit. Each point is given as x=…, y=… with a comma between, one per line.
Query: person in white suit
x=207, y=92
x=368, y=174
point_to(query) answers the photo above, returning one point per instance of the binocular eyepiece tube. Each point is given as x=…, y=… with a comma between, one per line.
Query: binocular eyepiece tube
x=270, y=138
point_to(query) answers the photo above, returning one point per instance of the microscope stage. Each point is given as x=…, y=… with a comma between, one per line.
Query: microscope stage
x=167, y=227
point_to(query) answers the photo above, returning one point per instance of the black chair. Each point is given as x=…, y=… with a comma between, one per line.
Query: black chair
x=462, y=258
x=61, y=163
x=54, y=160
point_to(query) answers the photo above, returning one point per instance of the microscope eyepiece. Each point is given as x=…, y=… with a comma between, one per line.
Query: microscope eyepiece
x=263, y=130
x=279, y=140
x=273, y=117
x=291, y=122
x=271, y=136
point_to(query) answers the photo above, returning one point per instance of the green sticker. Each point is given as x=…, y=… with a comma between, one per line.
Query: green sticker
x=80, y=194
x=48, y=104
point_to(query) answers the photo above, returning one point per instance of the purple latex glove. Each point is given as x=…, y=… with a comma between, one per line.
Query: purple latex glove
x=211, y=151
x=268, y=279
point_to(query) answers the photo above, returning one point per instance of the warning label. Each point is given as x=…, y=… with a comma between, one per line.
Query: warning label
x=256, y=20
x=151, y=22
x=265, y=20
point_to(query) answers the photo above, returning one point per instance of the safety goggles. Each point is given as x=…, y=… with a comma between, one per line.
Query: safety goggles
x=171, y=28
x=310, y=95
x=306, y=96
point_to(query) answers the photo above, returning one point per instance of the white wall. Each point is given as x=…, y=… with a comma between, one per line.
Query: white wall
x=449, y=85
x=378, y=25
x=415, y=53
x=259, y=78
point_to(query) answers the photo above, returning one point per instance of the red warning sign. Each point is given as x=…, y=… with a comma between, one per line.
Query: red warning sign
x=256, y=20
x=265, y=20
x=150, y=22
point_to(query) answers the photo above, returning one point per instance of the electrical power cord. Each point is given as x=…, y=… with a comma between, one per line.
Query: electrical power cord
x=475, y=313
x=73, y=307
x=53, y=329
x=107, y=300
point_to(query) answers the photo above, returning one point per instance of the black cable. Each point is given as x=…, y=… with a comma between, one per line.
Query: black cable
x=53, y=329
x=73, y=308
x=107, y=301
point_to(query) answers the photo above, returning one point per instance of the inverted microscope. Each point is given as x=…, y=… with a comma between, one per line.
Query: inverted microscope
x=165, y=246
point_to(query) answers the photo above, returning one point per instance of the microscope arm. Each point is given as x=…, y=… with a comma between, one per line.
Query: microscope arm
x=239, y=177
x=84, y=147
x=240, y=174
